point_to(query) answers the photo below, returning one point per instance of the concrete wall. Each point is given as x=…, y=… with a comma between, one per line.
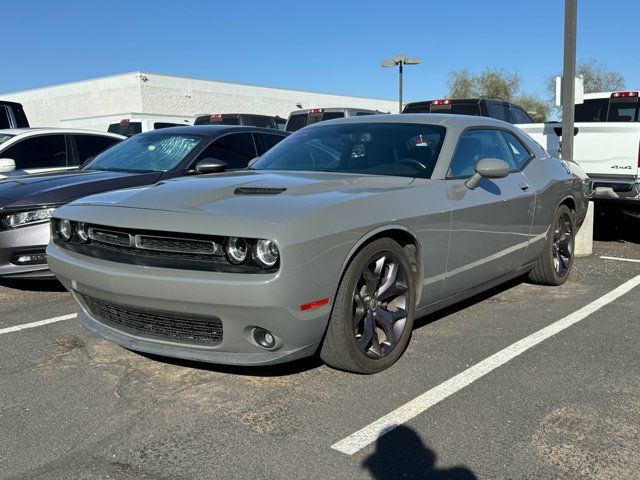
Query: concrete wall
x=97, y=102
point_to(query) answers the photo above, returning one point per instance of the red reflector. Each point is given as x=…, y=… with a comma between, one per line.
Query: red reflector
x=624, y=94
x=316, y=304
x=216, y=116
x=124, y=121
x=316, y=110
x=441, y=102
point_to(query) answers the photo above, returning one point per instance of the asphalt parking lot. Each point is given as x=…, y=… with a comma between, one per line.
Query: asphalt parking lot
x=74, y=406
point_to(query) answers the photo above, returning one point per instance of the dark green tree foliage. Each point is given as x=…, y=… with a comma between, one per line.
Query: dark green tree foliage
x=496, y=84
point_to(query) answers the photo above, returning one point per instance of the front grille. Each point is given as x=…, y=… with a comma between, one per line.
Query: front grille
x=177, y=245
x=164, y=326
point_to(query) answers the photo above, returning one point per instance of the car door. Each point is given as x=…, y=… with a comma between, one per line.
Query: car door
x=491, y=224
x=40, y=153
x=235, y=149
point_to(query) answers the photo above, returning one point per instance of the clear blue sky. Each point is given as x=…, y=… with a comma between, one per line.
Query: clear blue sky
x=327, y=45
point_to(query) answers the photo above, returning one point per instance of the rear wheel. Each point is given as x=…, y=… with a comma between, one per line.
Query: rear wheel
x=372, y=316
x=555, y=262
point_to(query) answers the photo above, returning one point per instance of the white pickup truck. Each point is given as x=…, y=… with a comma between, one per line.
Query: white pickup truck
x=606, y=145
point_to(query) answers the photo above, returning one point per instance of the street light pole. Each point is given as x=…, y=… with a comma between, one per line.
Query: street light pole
x=400, y=61
x=568, y=78
x=400, y=87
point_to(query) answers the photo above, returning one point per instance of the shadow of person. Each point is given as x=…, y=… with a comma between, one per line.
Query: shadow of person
x=402, y=454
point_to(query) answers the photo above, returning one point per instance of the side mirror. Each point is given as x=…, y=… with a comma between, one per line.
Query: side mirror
x=7, y=165
x=211, y=165
x=252, y=161
x=488, y=168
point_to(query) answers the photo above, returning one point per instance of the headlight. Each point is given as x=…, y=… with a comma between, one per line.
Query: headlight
x=82, y=232
x=64, y=229
x=266, y=253
x=27, y=218
x=237, y=250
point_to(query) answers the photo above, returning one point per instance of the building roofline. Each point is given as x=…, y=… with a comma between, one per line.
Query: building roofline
x=140, y=73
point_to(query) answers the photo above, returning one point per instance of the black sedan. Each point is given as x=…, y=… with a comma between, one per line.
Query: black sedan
x=26, y=203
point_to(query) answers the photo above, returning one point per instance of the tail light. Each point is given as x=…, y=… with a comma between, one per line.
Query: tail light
x=316, y=110
x=216, y=116
x=125, y=121
x=624, y=94
x=441, y=102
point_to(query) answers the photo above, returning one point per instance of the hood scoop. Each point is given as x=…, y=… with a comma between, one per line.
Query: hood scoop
x=258, y=191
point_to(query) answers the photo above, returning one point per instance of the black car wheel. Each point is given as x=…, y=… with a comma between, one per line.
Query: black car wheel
x=372, y=316
x=554, y=265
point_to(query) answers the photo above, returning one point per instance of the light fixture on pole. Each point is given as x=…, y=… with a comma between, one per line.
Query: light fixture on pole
x=400, y=61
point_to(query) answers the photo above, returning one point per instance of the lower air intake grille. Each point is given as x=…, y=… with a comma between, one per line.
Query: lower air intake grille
x=182, y=328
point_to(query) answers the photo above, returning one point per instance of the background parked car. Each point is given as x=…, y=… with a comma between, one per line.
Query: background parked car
x=26, y=204
x=505, y=111
x=135, y=125
x=41, y=150
x=302, y=118
x=248, y=119
x=12, y=115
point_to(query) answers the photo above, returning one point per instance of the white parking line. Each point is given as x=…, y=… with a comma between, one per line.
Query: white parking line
x=620, y=258
x=39, y=323
x=409, y=410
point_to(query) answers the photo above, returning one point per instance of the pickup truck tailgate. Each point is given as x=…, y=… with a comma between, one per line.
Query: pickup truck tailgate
x=610, y=148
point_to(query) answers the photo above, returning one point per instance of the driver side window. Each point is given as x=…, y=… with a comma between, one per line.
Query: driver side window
x=236, y=149
x=473, y=146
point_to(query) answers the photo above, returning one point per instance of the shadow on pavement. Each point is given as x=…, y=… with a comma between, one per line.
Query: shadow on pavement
x=279, y=370
x=401, y=453
x=611, y=225
x=45, y=285
x=461, y=305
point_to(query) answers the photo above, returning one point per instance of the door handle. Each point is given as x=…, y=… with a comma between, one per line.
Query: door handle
x=524, y=185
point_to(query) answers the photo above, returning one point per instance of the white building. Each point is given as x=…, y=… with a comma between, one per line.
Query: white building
x=97, y=102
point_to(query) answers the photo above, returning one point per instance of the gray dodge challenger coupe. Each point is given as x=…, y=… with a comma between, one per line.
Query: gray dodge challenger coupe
x=332, y=242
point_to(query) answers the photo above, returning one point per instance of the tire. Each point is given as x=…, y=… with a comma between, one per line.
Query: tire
x=555, y=262
x=361, y=319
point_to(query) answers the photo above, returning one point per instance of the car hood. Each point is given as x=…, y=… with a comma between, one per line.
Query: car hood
x=60, y=188
x=274, y=195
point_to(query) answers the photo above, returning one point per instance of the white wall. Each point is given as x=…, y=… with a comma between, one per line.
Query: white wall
x=95, y=103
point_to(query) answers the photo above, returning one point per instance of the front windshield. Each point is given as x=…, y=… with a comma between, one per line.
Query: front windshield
x=4, y=137
x=397, y=149
x=153, y=152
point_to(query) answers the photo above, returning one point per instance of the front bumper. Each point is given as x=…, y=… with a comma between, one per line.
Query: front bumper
x=241, y=302
x=22, y=241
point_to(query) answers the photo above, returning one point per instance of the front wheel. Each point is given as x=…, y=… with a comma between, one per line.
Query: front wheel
x=372, y=317
x=556, y=260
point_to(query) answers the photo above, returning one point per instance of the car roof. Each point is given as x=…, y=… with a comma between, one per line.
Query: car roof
x=236, y=114
x=334, y=109
x=213, y=130
x=42, y=130
x=443, y=119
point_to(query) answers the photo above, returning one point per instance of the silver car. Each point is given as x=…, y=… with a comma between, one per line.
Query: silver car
x=331, y=243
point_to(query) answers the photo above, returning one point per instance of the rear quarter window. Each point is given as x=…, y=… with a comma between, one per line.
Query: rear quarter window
x=296, y=122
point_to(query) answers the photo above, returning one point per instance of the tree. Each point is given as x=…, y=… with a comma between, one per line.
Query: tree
x=497, y=84
x=492, y=83
x=462, y=84
x=596, y=77
x=536, y=107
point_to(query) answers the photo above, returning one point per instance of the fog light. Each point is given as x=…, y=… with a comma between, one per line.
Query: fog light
x=264, y=338
x=30, y=259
